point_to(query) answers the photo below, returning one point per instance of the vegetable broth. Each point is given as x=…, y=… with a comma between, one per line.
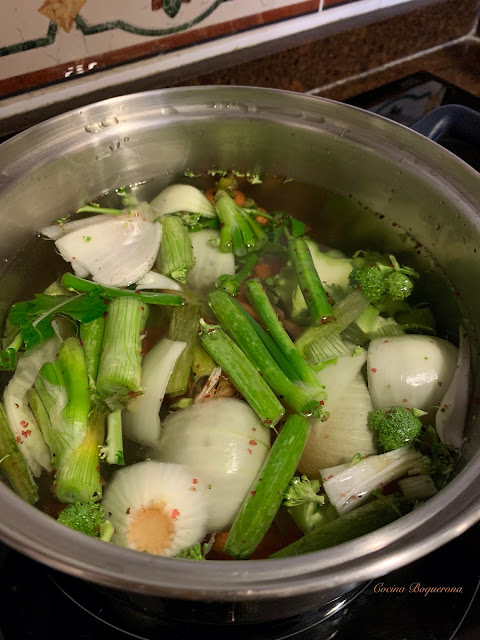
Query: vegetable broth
x=338, y=222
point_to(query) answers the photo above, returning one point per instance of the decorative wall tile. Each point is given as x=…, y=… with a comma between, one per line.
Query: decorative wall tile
x=59, y=39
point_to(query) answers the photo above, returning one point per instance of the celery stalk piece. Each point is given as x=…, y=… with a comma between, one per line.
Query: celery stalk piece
x=112, y=453
x=363, y=520
x=309, y=280
x=242, y=373
x=184, y=327
x=315, y=341
x=176, y=255
x=260, y=302
x=14, y=465
x=78, y=478
x=73, y=283
x=266, y=495
x=91, y=335
x=232, y=319
x=119, y=370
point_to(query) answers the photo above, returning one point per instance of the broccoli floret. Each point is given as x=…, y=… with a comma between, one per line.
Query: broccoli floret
x=87, y=518
x=301, y=490
x=195, y=552
x=370, y=280
x=380, y=277
x=438, y=458
x=395, y=427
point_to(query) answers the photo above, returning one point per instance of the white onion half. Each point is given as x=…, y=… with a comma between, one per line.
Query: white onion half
x=141, y=419
x=182, y=197
x=154, y=280
x=410, y=371
x=224, y=443
x=156, y=508
x=116, y=252
x=56, y=231
x=338, y=377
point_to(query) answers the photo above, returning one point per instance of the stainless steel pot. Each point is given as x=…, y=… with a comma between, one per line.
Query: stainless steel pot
x=58, y=165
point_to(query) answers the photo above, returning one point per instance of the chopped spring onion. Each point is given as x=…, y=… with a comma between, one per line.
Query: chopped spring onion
x=184, y=327
x=175, y=259
x=112, y=452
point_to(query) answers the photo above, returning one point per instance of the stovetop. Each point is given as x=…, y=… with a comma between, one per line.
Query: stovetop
x=434, y=598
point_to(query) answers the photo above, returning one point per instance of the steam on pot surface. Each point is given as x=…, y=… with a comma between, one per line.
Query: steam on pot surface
x=230, y=366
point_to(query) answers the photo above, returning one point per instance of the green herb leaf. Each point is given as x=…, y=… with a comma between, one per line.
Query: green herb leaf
x=298, y=227
x=34, y=317
x=8, y=360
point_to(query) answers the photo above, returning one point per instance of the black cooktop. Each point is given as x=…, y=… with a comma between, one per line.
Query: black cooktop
x=37, y=603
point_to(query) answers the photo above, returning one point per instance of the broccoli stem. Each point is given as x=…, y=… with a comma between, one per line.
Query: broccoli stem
x=310, y=343
x=119, y=370
x=91, y=335
x=176, y=254
x=184, y=327
x=233, y=320
x=78, y=478
x=231, y=284
x=72, y=283
x=13, y=463
x=113, y=452
x=309, y=281
x=266, y=495
x=242, y=373
x=354, y=524
x=260, y=302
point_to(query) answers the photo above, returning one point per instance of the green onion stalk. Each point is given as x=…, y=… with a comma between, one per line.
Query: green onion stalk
x=231, y=284
x=60, y=401
x=184, y=327
x=239, y=233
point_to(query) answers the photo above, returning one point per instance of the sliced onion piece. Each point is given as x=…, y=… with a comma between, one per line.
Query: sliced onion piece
x=182, y=197
x=410, y=371
x=223, y=442
x=209, y=261
x=154, y=280
x=338, y=377
x=56, y=231
x=141, y=419
x=450, y=418
x=20, y=418
x=156, y=508
x=116, y=252
x=346, y=432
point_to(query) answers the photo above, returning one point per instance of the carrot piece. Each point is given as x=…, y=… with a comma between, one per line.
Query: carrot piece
x=263, y=269
x=261, y=220
x=210, y=195
x=239, y=198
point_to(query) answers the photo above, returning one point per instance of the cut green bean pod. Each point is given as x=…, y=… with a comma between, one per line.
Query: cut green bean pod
x=242, y=374
x=14, y=465
x=266, y=495
x=260, y=302
x=356, y=523
x=308, y=279
x=298, y=397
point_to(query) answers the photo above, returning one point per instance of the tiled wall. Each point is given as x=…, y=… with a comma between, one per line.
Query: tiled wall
x=58, y=40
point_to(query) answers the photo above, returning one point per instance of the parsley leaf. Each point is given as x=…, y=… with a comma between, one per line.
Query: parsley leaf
x=34, y=317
